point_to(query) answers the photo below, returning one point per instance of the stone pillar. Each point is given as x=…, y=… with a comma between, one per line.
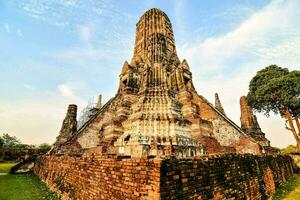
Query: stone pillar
x=99, y=102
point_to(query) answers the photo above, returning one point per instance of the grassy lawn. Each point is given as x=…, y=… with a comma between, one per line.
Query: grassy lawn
x=5, y=167
x=290, y=190
x=22, y=186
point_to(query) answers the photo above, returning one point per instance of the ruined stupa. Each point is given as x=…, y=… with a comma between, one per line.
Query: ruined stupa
x=157, y=139
x=156, y=110
x=249, y=123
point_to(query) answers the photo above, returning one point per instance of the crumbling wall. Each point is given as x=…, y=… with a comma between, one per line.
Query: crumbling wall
x=230, y=176
x=224, y=177
x=223, y=136
x=97, y=177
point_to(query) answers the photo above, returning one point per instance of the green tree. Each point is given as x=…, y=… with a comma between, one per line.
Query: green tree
x=278, y=90
x=10, y=141
x=289, y=149
x=1, y=142
x=44, y=146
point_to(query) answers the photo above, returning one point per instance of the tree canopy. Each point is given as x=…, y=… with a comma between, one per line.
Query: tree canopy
x=273, y=89
x=8, y=141
x=44, y=146
x=277, y=89
x=1, y=142
x=289, y=149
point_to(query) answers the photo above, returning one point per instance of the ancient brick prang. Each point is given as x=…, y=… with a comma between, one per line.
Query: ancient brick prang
x=216, y=177
x=156, y=125
x=68, y=128
x=250, y=125
x=156, y=110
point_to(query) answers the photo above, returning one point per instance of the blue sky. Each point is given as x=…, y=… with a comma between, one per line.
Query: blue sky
x=58, y=52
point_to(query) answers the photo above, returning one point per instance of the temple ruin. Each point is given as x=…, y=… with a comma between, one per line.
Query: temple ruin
x=157, y=138
x=156, y=111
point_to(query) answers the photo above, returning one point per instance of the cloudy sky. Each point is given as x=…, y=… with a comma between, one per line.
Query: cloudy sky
x=57, y=52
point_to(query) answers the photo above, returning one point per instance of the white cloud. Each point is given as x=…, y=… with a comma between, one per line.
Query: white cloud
x=226, y=64
x=69, y=89
x=20, y=33
x=85, y=33
x=264, y=29
x=65, y=90
x=68, y=3
x=7, y=28
x=28, y=87
x=65, y=12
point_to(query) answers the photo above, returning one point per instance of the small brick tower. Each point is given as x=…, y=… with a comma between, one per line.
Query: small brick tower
x=68, y=127
x=249, y=123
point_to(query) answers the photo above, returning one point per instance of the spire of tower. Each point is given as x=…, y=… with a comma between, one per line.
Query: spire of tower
x=185, y=65
x=68, y=128
x=248, y=119
x=249, y=123
x=125, y=68
x=154, y=40
x=218, y=104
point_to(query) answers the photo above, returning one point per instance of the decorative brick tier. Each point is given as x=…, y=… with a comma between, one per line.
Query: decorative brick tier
x=229, y=176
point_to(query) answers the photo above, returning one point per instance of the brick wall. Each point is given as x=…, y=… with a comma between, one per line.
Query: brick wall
x=224, y=177
x=100, y=177
x=220, y=177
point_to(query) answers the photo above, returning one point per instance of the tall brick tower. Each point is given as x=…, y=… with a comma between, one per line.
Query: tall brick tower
x=156, y=110
x=156, y=125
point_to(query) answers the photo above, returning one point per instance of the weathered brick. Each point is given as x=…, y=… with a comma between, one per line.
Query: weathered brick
x=246, y=176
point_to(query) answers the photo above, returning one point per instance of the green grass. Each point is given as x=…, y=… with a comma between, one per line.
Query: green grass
x=23, y=187
x=5, y=167
x=289, y=190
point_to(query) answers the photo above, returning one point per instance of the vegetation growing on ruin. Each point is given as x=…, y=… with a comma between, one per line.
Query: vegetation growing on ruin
x=276, y=89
